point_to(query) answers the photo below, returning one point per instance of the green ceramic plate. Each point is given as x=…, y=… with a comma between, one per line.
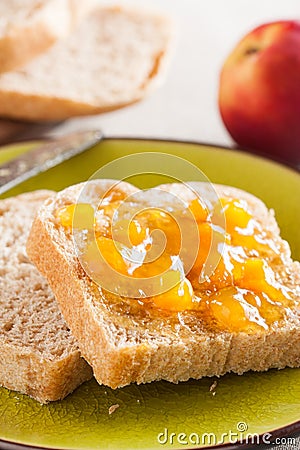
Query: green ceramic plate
x=163, y=415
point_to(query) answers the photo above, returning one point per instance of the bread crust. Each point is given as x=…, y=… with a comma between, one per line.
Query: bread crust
x=126, y=350
x=26, y=364
x=44, y=108
x=42, y=379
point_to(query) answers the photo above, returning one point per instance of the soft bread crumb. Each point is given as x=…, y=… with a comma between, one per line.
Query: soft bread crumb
x=113, y=408
x=213, y=386
x=28, y=28
x=39, y=356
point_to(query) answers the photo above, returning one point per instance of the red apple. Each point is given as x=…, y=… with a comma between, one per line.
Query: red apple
x=259, y=94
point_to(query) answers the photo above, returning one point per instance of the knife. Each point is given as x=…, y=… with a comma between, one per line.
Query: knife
x=44, y=157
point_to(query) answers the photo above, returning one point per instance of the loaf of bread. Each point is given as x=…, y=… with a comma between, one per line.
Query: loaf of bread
x=123, y=342
x=39, y=357
x=113, y=58
x=30, y=27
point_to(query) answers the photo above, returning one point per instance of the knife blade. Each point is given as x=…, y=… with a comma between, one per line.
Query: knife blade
x=45, y=157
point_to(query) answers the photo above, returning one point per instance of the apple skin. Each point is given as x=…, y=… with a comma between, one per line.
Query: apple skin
x=259, y=92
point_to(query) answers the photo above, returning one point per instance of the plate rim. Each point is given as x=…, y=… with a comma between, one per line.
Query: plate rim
x=239, y=149
x=277, y=433
x=290, y=430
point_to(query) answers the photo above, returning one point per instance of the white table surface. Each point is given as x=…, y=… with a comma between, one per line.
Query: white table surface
x=185, y=107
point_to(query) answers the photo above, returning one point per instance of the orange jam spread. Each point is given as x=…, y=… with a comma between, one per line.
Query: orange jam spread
x=221, y=269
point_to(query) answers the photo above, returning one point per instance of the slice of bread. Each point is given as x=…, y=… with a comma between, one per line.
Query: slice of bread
x=114, y=58
x=39, y=357
x=28, y=28
x=123, y=342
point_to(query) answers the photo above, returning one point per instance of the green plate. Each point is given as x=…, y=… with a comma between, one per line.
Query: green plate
x=164, y=415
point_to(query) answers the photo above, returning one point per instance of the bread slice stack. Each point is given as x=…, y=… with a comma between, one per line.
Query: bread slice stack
x=58, y=61
x=39, y=356
x=125, y=342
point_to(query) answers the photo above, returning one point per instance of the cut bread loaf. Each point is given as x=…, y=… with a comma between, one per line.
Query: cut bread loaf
x=123, y=342
x=114, y=58
x=28, y=28
x=39, y=357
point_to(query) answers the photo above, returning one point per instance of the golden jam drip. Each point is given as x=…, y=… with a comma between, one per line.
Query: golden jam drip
x=229, y=281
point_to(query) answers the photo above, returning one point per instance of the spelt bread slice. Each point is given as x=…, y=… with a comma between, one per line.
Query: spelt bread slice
x=39, y=357
x=114, y=58
x=125, y=343
x=28, y=28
